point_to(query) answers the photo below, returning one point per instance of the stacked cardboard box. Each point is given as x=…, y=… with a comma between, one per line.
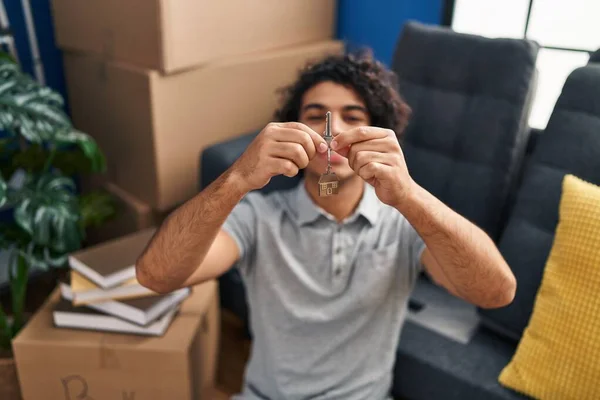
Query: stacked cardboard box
x=172, y=337
x=156, y=81
x=60, y=363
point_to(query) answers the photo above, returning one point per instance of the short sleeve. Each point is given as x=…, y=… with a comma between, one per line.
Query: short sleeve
x=413, y=246
x=241, y=226
x=417, y=247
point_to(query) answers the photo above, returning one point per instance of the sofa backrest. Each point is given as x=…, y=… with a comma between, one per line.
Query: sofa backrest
x=595, y=57
x=570, y=144
x=471, y=98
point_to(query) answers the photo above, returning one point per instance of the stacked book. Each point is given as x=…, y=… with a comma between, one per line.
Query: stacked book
x=103, y=294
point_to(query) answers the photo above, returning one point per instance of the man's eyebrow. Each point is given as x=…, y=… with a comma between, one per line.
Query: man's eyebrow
x=318, y=106
x=355, y=107
x=351, y=107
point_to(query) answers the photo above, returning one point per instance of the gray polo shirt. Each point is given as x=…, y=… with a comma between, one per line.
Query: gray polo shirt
x=327, y=300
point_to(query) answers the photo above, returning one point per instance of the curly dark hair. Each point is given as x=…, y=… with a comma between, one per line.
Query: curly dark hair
x=373, y=82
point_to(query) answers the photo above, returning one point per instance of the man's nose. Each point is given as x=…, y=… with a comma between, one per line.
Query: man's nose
x=337, y=125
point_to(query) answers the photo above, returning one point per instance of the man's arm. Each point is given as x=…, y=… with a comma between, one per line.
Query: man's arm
x=190, y=246
x=459, y=255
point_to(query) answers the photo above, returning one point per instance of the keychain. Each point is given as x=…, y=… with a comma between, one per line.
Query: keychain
x=328, y=183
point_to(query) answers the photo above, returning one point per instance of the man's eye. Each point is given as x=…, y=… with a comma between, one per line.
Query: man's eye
x=354, y=118
x=315, y=118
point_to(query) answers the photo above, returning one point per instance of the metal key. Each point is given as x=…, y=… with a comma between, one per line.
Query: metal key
x=329, y=182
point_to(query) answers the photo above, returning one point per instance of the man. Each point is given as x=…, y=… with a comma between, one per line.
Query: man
x=327, y=278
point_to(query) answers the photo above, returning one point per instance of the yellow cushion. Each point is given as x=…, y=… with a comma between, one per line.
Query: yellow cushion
x=558, y=356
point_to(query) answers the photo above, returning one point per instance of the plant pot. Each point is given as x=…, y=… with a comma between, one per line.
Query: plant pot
x=9, y=382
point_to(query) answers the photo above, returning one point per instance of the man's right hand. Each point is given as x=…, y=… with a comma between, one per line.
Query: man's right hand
x=279, y=149
x=190, y=246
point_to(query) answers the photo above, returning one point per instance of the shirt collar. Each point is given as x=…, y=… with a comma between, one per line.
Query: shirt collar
x=308, y=211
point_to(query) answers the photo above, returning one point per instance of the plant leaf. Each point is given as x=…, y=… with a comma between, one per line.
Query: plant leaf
x=48, y=210
x=55, y=260
x=3, y=191
x=96, y=207
x=70, y=160
x=22, y=215
x=6, y=86
x=8, y=57
x=42, y=257
x=86, y=143
x=28, y=108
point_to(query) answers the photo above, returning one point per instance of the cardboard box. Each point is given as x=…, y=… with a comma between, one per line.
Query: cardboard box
x=152, y=127
x=67, y=364
x=132, y=215
x=170, y=35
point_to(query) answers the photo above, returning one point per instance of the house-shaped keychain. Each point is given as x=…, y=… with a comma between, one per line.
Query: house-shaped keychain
x=329, y=182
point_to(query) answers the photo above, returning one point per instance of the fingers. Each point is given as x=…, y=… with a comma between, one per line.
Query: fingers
x=282, y=166
x=317, y=138
x=294, y=136
x=300, y=133
x=294, y=152
x=360, y=134
x=373, y=170
x=385, y=145
x=363, y=158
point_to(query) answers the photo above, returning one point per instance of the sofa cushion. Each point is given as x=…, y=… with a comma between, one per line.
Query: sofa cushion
x=431, y=366
x=569, y=145
x=449, y=349
x=558, y=354
x=471, y=98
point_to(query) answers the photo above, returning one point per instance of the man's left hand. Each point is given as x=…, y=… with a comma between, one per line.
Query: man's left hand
x=375, y=155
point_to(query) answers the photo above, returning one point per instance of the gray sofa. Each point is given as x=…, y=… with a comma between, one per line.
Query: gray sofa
x=569, y=144
x=471, y=98
x=469, y=144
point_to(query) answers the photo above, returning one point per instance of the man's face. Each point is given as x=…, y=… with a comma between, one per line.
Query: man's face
x=347, y=111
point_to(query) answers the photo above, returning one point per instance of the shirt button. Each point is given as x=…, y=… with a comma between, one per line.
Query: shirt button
x=338, y=250
x=337, y=271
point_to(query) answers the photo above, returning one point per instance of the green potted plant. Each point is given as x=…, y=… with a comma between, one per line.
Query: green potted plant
x=43, y=216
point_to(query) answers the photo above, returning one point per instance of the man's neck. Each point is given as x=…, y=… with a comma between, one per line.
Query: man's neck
x=341, y=205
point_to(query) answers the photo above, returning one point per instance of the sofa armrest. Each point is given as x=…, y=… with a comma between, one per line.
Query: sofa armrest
x=217, y=158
